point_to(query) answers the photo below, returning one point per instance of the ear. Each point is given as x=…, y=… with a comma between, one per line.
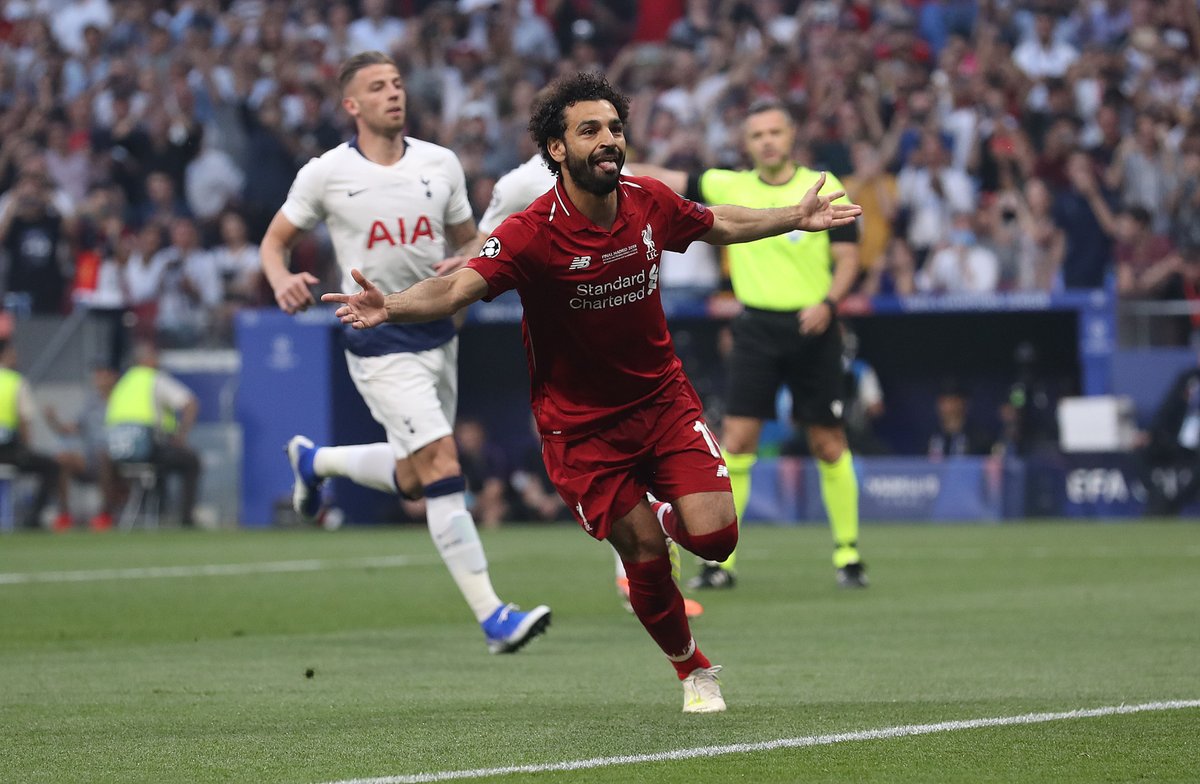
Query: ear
x=350, y=105
x=557, y=149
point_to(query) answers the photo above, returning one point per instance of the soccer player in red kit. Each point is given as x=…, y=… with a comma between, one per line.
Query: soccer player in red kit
x=617, y=416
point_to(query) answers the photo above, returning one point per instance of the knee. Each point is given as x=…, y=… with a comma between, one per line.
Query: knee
x=827, y=446
x=718, y=545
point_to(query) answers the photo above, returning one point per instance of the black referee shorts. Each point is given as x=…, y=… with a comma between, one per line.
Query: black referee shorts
x=768, y=350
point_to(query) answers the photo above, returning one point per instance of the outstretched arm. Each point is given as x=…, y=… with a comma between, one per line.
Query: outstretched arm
x=431, y=299
x=814, y=212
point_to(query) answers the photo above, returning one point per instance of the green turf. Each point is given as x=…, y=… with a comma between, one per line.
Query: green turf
x=202, y=679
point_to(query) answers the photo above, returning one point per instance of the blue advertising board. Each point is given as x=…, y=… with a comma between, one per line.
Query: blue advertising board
x=979, y=489
x=283, y=389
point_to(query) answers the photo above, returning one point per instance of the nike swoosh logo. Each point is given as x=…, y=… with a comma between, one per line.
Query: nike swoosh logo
x=352, y=194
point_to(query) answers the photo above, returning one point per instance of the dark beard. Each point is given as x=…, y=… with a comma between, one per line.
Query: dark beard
x=597, y=184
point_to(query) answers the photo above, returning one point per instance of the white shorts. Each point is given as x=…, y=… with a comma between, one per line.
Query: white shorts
x=414, y=396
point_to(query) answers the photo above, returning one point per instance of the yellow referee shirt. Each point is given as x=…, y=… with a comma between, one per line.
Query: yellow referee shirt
x=787, y=272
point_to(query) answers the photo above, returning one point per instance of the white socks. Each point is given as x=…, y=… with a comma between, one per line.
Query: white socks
x=369, y=465
x=457, y=541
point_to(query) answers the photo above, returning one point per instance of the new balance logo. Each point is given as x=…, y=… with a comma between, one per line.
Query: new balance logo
x=722, y=472
x=580, y=262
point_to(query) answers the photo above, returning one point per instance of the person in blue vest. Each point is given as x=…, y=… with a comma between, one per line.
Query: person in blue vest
x=16, y=413
x=149, y=416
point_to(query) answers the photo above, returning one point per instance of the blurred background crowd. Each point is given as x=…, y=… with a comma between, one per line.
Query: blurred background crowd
x=996, y=145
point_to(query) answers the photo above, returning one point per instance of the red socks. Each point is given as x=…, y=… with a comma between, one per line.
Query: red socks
x=659, y=606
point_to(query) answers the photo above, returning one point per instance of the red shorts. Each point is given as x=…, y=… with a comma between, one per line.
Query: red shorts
x=663, y=447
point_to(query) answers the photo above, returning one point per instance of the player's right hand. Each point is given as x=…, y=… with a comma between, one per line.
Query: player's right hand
x=363, y=310
x=293, y=294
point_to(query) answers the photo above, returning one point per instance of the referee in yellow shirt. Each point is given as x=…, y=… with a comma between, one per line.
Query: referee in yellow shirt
x=790, y=286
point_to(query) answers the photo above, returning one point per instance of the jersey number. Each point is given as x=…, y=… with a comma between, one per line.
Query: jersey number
x=703, y=430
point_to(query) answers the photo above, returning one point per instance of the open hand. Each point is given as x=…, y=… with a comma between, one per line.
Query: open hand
x=363, y=310
x=818, y=213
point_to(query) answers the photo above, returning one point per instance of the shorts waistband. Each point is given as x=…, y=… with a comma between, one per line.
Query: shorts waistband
x=771, y=313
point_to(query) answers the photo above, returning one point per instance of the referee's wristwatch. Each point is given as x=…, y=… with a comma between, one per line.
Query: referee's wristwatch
x=831, y=305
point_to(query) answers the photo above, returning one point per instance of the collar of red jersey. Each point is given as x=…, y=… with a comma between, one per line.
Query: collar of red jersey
x=575, y=219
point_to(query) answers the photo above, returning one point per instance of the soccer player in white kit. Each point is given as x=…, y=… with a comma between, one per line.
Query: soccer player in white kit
x=391, y=203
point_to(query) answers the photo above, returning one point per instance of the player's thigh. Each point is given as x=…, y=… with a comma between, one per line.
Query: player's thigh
x=405, y=394
x=755, y=371
x=598, y=484
x=688, y=466
x=637, y=536
x=817, y=379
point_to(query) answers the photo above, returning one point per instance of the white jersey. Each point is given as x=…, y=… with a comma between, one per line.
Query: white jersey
x=388, y=221
x=515, y=191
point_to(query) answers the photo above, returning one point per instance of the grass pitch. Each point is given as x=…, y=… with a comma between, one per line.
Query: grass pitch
x=184, y=657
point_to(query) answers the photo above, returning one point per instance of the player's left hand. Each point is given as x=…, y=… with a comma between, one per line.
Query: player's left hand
x=818, y=212
x=362, y=310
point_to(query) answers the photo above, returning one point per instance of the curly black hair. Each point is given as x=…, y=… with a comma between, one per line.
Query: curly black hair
x=548, y=119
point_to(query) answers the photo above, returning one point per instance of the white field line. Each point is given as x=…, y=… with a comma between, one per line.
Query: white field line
x=213, y=570
x=783, y=743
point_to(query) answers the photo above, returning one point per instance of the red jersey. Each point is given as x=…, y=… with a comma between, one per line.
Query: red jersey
x=594, y=330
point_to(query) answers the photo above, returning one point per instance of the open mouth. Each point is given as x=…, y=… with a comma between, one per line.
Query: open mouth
x=608, y=163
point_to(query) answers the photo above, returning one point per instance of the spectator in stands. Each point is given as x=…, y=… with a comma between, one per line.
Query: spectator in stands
x=32, y=235
x=931, y=192
x=963, y=265
x=1145, y=260
x=143, y=84
x=1143, y=171
x=1042, y=55
x=1173, y=443
x=236, y=261
x=956, y=435
x=1084, y=212
x=68, y=163
x=872, y=187
x=16, y=416
x=161, y=203
x=82, y=457
x=1185, y=233
x=376, y=29
x=143, y=270
x=896, y=275
x=189, y=289
x=213, y=182
x=1046, y=243
x=148, y=419
x=274, y=159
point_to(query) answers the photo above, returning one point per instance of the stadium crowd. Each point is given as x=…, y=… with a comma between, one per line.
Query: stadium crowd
x=995, y=145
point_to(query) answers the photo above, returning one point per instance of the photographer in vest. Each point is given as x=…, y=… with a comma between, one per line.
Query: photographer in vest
x=149, y=417
x=16, y=412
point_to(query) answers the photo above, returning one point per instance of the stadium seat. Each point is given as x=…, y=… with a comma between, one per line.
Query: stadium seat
x=144, y=496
